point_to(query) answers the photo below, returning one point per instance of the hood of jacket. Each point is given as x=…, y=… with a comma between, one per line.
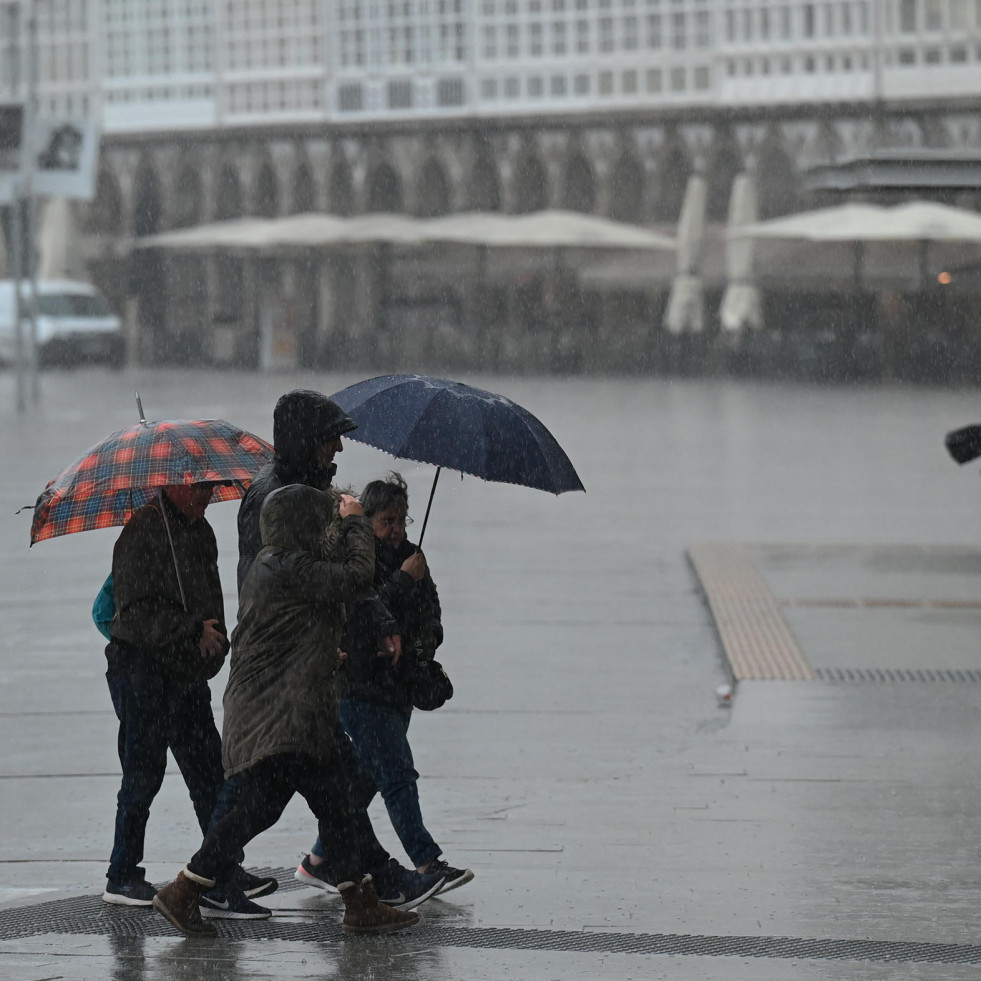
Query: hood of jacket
x=303, y=421
x=295, y=517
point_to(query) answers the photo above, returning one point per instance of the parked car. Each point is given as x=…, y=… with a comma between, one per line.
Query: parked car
x=75, y=324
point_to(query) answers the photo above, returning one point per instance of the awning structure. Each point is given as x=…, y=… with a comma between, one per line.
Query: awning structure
x=539, y=230
x=920, y=170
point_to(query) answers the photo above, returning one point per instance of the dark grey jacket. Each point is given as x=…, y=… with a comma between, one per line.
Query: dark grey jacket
x=281, y=696
x=152, y=628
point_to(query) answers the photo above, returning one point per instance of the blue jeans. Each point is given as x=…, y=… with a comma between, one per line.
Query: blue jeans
x=379, y=734
x=156, y=715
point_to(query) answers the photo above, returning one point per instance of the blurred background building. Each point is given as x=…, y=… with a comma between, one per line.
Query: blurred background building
x=214, y=110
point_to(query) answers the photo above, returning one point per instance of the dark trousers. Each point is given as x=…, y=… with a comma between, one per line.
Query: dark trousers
x=266, y=789
x=155, y=715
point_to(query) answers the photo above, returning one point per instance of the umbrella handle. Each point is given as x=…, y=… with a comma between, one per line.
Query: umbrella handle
x=425, y=520
x=173, y=551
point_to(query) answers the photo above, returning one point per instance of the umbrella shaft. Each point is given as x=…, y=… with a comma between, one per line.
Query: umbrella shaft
x=425, y=520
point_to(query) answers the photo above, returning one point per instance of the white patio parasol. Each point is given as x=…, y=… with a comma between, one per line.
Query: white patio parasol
x=538, y=230
x=741, y=306
x=686, y=306
x=916, y=222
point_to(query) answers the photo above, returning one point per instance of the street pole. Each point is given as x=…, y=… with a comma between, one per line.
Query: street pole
x=30, y=133
x=13, y=11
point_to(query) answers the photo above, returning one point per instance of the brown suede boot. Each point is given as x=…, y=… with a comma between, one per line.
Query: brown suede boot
x=179, y=903
x=363, y=913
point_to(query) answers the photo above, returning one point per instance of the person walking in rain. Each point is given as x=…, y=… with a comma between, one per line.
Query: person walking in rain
x=280, y=728
x=376, y=691
x=307, y=431
x=167, y=641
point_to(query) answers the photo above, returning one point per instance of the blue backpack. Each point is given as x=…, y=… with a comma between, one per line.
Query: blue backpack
x=104, y=609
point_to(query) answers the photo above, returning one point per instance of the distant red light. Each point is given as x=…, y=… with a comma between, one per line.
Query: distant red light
x=944, y=278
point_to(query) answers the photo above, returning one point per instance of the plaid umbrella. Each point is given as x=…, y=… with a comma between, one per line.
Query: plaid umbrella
x=118, y=475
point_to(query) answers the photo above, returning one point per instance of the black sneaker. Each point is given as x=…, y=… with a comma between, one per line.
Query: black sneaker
x=231, y=904
x=403, y=888
x=452, y=878
x=138, y=893
x=314, y=875
x=253, y=886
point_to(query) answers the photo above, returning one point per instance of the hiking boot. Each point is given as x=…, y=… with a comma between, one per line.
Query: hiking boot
x=252, y=886
x=453, y=878
x=179, y=903
x=139, y=892
x=315, y=875
x=403, y=888
x=363, y=913
x=230, y=903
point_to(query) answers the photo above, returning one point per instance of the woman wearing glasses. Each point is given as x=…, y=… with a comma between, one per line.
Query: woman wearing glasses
x=376, y=704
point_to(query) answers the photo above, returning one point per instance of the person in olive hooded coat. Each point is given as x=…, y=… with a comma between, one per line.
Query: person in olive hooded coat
x=279, y=730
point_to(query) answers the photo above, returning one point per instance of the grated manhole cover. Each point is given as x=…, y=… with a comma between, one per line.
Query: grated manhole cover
x=955, y=675
x=90, y=916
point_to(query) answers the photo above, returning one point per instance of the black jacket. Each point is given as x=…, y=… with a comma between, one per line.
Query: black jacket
x=415, y=608
x=303, y=421
x=152, y=626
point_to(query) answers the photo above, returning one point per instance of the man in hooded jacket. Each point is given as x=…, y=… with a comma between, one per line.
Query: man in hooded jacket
x=307, y=430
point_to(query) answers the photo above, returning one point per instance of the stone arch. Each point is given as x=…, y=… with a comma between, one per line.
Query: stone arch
x=228, y=194
x=777, y=181
x=627, y=184
x=266, y=200
x=188, y=206
x=674, y=169
x=485, y=182
x=579, y=185
x=303, y=193
x=384, y=189
x=105, y=214
x=530, y=185
x=340, y=189
x=724, y=164
x=433, y=194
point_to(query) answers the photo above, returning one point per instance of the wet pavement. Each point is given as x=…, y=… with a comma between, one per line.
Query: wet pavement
x=620, y=824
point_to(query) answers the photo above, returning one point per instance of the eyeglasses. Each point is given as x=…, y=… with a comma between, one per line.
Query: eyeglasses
x=394, y=522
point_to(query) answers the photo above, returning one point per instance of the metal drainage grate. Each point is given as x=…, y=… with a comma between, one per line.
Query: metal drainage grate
x=956, y=675
x=90, y=916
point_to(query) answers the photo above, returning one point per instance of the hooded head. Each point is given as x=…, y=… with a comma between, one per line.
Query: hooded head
x=303, y=422
x=295, y=517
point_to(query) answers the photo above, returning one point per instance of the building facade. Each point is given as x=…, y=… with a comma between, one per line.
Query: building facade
x=211, y=110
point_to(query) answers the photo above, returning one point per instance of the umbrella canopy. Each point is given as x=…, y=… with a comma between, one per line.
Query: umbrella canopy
x=236, y=234
x=118, y=475
x=550, y=229
x=538, y=230
x=452, y=425
x=449, y=424
x=914, y=221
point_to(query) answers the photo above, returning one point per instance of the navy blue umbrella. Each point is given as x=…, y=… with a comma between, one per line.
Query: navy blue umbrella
x=452, y=425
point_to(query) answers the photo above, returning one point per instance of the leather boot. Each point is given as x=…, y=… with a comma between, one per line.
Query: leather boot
x=179, y=903
x=363, y=913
